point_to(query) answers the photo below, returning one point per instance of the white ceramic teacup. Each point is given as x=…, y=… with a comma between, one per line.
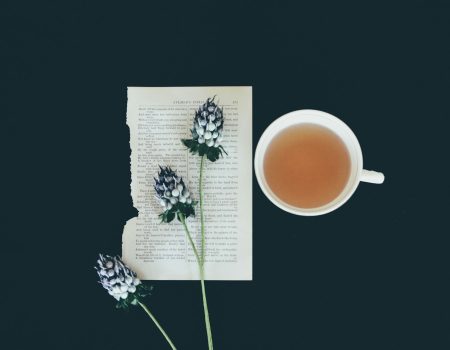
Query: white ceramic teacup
x=357, y=173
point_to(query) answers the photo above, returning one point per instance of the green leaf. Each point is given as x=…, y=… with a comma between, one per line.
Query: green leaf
x=213, y=153
x=179, y=208
x=188, y=143
x=202, y=149
x=223, y=149
x=191, y=144
x=122, y=304
x=170, y=216
x=211, y=157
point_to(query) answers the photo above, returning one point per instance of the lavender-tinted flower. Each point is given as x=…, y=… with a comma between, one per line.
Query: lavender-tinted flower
x=172, y=194
x=207, y=132
x=170, y=189
x=208, y=124
x=119, y=280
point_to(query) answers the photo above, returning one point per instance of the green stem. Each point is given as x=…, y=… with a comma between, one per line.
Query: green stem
x=202, y=280
x=158, y=325
x=205, y=309
x=183, y=221
x=202, y=219
x=202, y=264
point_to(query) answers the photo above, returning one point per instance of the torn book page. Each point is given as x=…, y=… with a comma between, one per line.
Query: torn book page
x=158, y=118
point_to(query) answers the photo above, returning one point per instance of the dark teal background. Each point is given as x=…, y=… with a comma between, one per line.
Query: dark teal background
x=372, y=275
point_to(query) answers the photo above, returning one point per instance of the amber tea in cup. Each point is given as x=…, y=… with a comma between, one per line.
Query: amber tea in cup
x=307, y=165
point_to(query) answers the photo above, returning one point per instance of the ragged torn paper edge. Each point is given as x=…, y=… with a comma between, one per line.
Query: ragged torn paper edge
x=145, y=270
x=171, y=270
x=130, y=225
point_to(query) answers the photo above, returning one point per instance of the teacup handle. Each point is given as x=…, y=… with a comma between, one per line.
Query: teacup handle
x=373, y=177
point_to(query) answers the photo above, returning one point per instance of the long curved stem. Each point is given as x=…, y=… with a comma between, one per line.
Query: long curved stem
x=202, y=219
x=183, y=221
x=205, y=309
x=158, y=325
x=202, y=265
x=202, y=280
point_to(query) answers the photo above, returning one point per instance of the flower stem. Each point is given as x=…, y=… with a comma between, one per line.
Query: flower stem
x=158, y=325
x=202, y=264
x=202, y=280
x=183, y=221
x=202, y=219
x=205, y=309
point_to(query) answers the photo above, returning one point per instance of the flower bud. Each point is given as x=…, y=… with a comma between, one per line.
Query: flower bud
x=120, y=281
x=208, y=123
